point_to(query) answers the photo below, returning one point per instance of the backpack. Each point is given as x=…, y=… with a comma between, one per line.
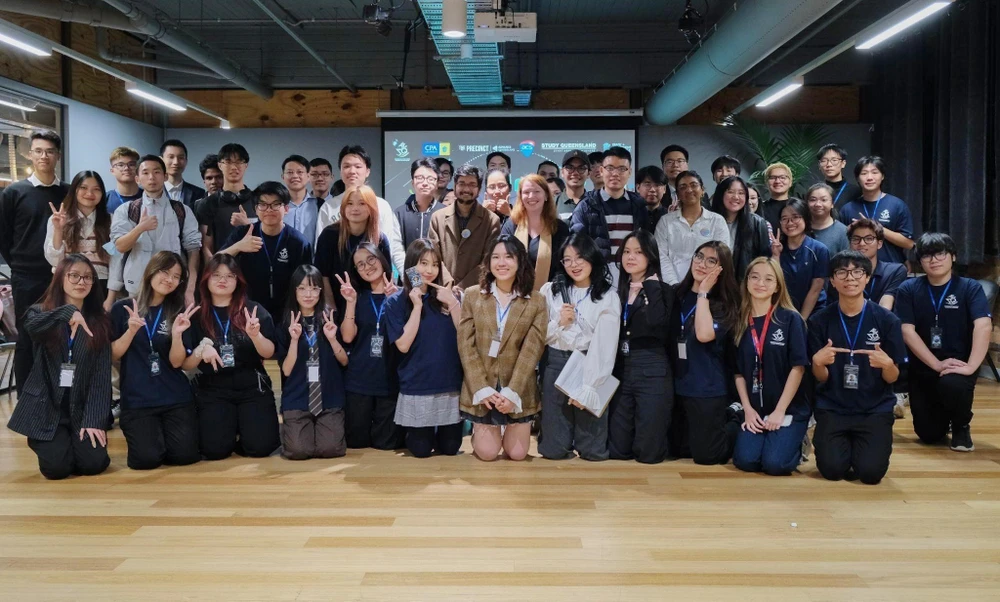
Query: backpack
x=135, y=214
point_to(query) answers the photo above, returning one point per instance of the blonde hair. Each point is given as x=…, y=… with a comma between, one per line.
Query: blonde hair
x=779, y=298
x=550, y=215
x=779, y=165
x=124, y=151
x=370, y=199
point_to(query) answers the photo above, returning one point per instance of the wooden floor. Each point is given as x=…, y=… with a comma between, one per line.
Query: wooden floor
x=382, y=526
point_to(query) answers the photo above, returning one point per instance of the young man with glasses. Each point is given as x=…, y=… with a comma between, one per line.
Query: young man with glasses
x=414, y=216
x=445, y=170
x=24, y=215
x=832, y=161
x=866, y=237
x=124, y=163
x=651, y=184
x=674, y=159
x=321, y=180
x=269, y=251
x=884, y=208
x=946, y=325
x=856, y=348
x=779, y=185
x=575, y=168
x=143, y=227
x=303, y=210
x=175, y=157
x=231, y=206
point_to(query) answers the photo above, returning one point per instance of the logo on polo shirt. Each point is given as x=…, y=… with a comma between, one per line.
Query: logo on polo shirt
x=163, y=328
x=884, y=216
x=283, y=255
x=706, y=232
x=951, y=302
x=778, y=338
x=873, y=336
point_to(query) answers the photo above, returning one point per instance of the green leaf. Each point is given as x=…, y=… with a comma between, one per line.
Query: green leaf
x=793, y=145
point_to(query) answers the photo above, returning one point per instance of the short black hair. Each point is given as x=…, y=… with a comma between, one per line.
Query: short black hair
x=295, y=159
x=831, y=147
x=469, y=170
x=209, y=162
x=546, y=162
x=653, y=174
x=338, y=188
x=867, y=160
x=424, y=162
x=596, y=157
x=725, y=161
x=846, y=259
x=798, y=206
x=228, y=151
x=156, y=158
x=619, y=152
x=559, y=184
x=173, y=142
x=355, y=149
x=503, y=156
x=441, y=162
x=48, y=135
x=671, y=148
x=932, y=243
x=271, y=187
x=318, y=161
x=691, y=174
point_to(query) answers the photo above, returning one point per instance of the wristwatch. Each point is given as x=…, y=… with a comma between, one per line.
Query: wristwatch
x=703, y=295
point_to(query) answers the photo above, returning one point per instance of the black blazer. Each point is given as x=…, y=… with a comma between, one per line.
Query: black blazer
x=38, y=408
x=649, y=322
x=191, y=193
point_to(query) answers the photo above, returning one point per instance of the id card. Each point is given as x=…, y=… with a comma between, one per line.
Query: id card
x=66, y=372
x=851, y=372
x=682, y=349
x=312, y=370
x=756, y=382
x=154, y=363
x=414, y=277
x=376, y=347
x=494, y=347
x=936, y=337
x=228, y=356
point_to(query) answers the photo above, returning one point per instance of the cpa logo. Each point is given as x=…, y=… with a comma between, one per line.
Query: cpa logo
x=951, y=302
x=884, y=216
x=402, y=151
x=527, y=147
x=778, y=336
x=430, y=148
x=873, y=336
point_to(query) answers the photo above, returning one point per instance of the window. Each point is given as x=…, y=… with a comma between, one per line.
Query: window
x=16, y=127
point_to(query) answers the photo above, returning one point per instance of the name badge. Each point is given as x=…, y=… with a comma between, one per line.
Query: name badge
x=756, y=382
x=851, y=373
x=376, y=347
x=66, y=372
x=937, y=334
x=312, y=370
x=228, y=355
x=495, y=346
x=682, y=349
x=154, y=363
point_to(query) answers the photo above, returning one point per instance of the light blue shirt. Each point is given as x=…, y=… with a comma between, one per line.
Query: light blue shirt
x=303, y=217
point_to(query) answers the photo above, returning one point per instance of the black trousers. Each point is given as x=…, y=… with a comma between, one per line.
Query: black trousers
x=938, y=402
x=858, y=443
x=368, y=422
x=162, y=435
x=641, y=410
x=27, y=290
x=305, y=436
x=240, y=420
x=66, y=455
x=425, y=440
x=711, y=436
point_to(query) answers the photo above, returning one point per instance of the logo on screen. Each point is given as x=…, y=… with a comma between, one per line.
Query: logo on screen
x=402, y=151
x=431, y=148
x=605, y=146
x=527, y=147
x=444, y=149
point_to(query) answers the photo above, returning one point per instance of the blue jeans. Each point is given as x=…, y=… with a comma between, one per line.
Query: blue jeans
x=772, y=452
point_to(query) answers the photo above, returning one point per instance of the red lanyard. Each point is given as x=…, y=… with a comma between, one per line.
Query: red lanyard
x=758, y=341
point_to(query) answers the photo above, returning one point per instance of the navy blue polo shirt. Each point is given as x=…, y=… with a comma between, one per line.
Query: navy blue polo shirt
x=367, y=375
x=885, y=280
x=432, y=365
x=785, y=347
x=704, y=373
x=873, y=394
x=891, y=212
x=964, y=302
x=295, y=386
x=801, y=266
x=246, y=359
x=139, y=388
x=282, y=254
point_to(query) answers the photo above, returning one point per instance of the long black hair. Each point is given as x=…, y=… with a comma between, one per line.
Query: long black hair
x=724, y=298
x=309, y=275
x=93, y=304
x=649, y=249
x=524, y=276
x=600, y=274
x=744, y=231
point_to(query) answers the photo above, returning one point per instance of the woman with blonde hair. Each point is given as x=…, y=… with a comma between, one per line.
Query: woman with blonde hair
x=535, y=222
x=772, y=354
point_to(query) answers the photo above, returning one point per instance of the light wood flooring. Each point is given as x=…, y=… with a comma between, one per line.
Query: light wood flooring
x=385, y=526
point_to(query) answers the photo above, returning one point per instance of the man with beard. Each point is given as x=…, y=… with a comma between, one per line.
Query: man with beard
x=462, y=232
x=575, y=168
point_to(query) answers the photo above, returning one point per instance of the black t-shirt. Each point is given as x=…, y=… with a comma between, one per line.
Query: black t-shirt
x=269, y=270
x=330, y=261
x=843, y=192
x=295, y=386
x=962, y=302
x=247, y=361
x=785, y=347
x=139, y=388
x=216, y=210
x=707, y=370
x=367, y=375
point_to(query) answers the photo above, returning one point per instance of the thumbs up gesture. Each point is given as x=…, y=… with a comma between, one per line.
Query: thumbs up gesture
x=250, y=243
x=239, y=218
x=147, y=222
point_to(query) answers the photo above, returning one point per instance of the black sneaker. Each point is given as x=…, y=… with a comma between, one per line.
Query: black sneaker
x=961, y=439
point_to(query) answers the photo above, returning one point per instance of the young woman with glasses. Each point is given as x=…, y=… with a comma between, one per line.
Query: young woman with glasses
x=804, y=260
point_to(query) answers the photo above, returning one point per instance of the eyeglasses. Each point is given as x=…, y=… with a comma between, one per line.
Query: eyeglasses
x=778, y=178
x=759, y=278
x=168, y=276
x=708, y=261
x=857, y=240
x=227, y=277
x=371, y=262
x=262, y=207
x=76, y=278
x=308, y=290
x=842, y=274
x=577, y=169
x=620, y=170
x=228, y=163
x=791, y=219
x=830, y=161
x=500, y=186
x=670, y=162
x=44, y=152
x=123, y=166
x=940, y=256
x=422, y=179
x=571, y=261
x=649, y=185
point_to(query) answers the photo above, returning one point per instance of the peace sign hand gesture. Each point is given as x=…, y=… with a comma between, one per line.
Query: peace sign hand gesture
x=135, y=321
x=58, y=217
x=346, y=288
x=253, y=323
x=183, y=320
x=329, y=326
x=389, y=287
x=294, y=326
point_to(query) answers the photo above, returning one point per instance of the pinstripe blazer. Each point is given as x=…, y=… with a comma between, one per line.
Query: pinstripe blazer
x=39, y=404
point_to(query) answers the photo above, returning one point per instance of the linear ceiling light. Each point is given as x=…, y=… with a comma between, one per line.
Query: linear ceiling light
x=25, y=46
x=778, y=91
x=904, y=23
x=14, y=105
x=153, y=95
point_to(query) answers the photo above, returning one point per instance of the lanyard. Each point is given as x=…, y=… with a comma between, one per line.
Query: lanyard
x=937, y=304
x=70, y=333
x=864, y=207
x=840, y=192
x=502, y=315
x=758, y=341
x=150, y=332
x=687, y=316
x=311, y=338
x=576, y=306
x=626, y=307
x=225, y=329
x=870, y=288
x=378, y=312
x=270, y=262
x=852, y=342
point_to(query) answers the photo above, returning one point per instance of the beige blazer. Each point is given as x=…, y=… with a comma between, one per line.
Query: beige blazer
x=520, y=349
x=463, y=256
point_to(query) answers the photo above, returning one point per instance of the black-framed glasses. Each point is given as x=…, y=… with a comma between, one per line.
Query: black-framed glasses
x=262, y=207
x=843, y=273
x=76, y=278
x=940, y=256
x=868, y=240
x=708, y=261
x=124, y=165
x=577, y=169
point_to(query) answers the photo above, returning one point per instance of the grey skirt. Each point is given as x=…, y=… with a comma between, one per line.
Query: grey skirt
x=427, y=410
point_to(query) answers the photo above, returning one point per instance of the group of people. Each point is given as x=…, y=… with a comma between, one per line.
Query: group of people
x=723, y=327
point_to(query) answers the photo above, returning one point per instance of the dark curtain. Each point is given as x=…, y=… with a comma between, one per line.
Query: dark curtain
x=935, y=107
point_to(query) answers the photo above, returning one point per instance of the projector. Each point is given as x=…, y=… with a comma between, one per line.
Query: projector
x=495, y=27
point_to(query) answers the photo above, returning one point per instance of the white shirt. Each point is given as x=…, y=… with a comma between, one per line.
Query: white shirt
x=507, y=392
x=594, y=332
x=36, y=182
x=174, y=192
x=329, y=213
x=678, y=240
x=86, y=245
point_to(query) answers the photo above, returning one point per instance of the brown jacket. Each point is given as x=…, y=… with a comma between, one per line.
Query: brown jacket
x=463, y=256
x=520, y=349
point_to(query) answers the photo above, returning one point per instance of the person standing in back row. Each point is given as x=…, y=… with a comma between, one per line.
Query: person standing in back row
x=884, y=208
x=232, y=206
x=832, y=161
x=462, y=232
x=414, y=215
x=175, y=156
x=125, y=169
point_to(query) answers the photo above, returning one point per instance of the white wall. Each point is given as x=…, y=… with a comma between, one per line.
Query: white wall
x=268, y=147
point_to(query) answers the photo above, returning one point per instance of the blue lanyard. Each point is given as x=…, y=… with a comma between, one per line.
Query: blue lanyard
x=864, y=207
x=277, y=245
x=501, y=316
x=311, y=339
x=687, y=316
x=225, y=329
x=852, y=342
x=937, y=304
x=152, y=331
x=840, y=192
x=576, y=306
x=70, y=333
x=378, y=312
x=870, y=288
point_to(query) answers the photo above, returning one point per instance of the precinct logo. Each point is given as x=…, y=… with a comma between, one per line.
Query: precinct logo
x=527, y=147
